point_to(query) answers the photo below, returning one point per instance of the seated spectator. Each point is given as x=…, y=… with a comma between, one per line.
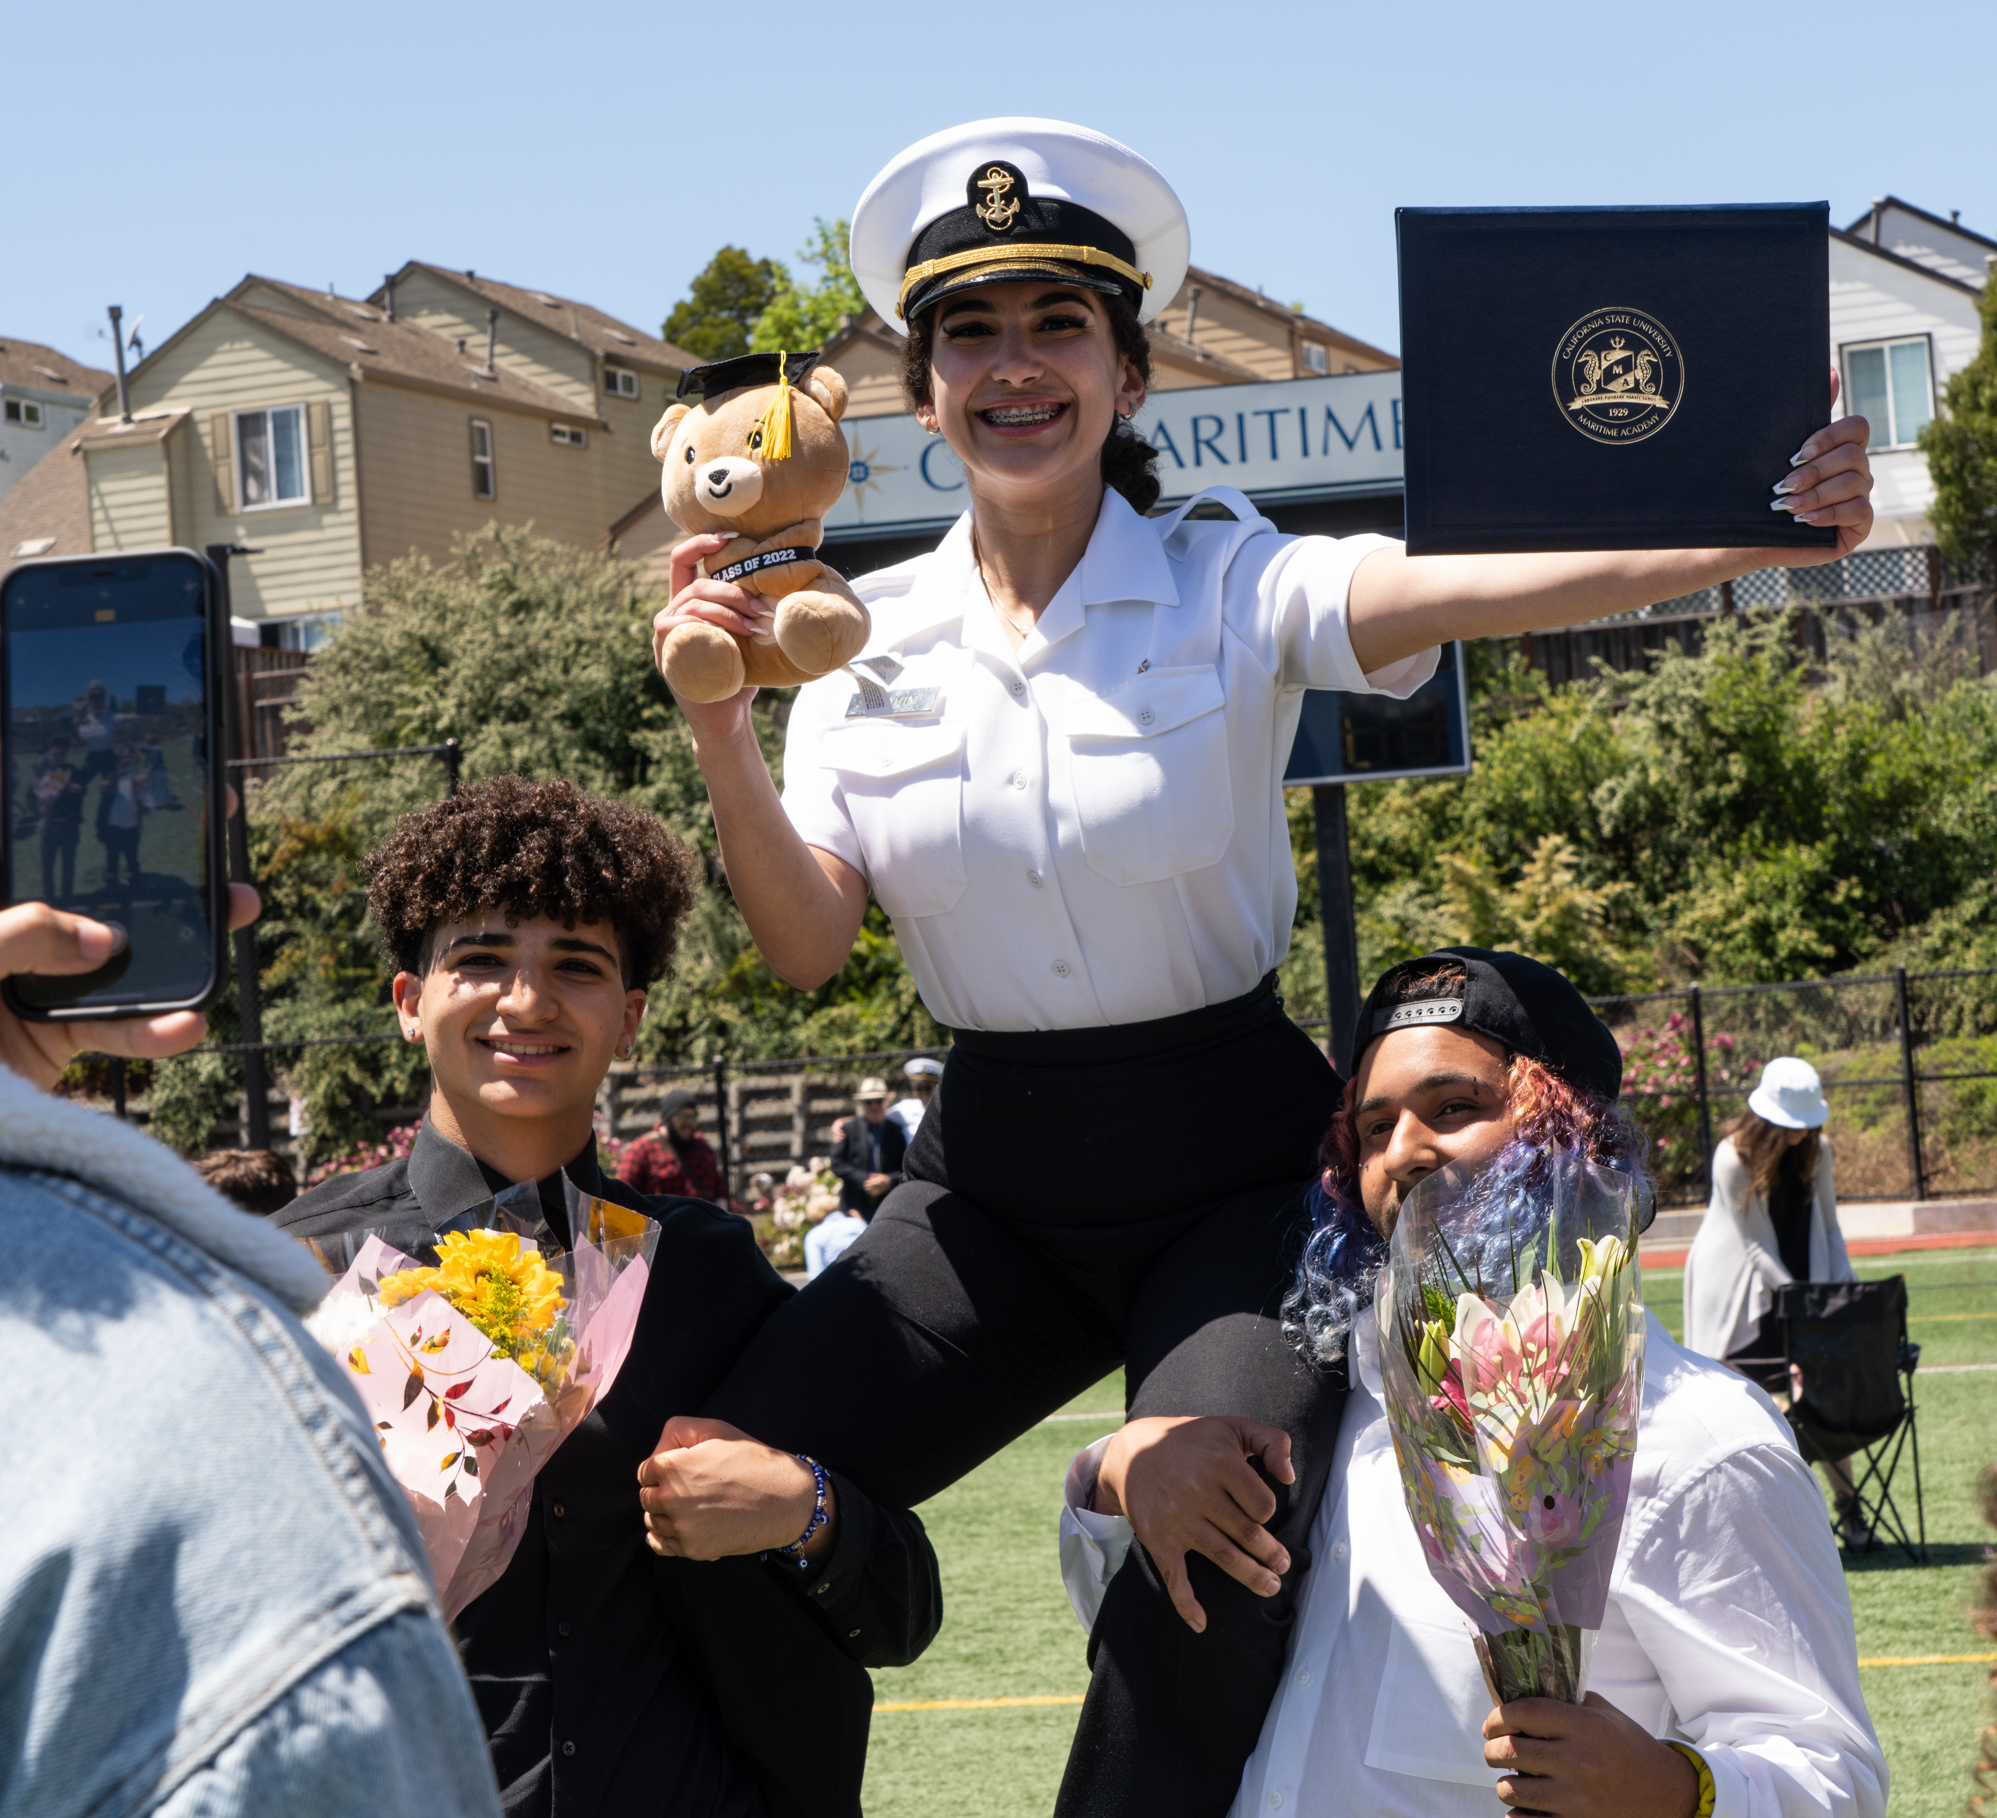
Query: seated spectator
x=524, y=924
x=868, y=1154
x=673, y=1160
x=922, y=1073
x=762, y=1194
x=827, y=1240
x=1725, y=1673
x=254, y=1179
x=213, y=1597
x=1773, y=1219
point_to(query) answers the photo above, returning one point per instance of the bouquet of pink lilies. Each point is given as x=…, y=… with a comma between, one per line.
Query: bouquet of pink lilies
x=1511, y=1361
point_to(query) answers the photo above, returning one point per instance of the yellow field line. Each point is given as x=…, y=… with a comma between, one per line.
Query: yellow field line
x=1927, y=1319
x=996, y=1704
x=978, y=1704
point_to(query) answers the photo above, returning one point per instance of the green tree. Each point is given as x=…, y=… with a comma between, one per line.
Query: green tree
x=804, y=316
x=724, y=303
x=1961, y=446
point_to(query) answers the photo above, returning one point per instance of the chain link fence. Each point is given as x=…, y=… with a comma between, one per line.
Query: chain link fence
x=1908, y=1060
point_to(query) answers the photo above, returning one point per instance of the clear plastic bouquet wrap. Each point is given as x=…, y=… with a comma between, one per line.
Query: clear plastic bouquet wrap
x=477, y=1364
x=1511, y=1360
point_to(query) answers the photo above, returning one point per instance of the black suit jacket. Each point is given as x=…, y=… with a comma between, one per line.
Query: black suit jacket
x=613, y=1682
x=852, y=1160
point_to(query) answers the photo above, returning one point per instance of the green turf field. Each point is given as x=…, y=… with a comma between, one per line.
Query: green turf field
x=1009, y=1634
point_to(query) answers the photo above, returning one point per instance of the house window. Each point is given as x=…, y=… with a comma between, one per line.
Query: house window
x=270, y=455
x=568, y=437
x=1891, y=385
x=485, y=482
x=24, y=412
x=620, y=383
x=1317, y=357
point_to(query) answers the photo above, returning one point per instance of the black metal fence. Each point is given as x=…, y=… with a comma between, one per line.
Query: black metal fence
x=1908, y=1061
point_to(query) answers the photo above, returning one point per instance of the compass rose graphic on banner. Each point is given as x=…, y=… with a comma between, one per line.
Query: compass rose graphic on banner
x=862, y=473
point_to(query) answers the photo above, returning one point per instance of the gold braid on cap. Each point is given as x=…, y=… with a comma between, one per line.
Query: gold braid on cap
x=1016, y=255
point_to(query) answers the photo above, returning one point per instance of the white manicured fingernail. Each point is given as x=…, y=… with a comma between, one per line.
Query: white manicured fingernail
x=1781, y=504
x=1788, y=483
x=1805, y=453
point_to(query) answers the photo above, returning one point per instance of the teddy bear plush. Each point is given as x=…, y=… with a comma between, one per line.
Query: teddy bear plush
x=760, y=458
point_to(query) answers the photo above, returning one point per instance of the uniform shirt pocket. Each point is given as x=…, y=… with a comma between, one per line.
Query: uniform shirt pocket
x=1428, y=1719
x=1149, y=762
x=904, y=792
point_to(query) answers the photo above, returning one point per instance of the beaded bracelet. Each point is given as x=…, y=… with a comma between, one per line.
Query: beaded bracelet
x=818, y=1516
x=1708, y=1793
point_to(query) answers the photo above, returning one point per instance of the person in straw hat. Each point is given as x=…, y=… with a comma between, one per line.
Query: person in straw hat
x=1060, y=775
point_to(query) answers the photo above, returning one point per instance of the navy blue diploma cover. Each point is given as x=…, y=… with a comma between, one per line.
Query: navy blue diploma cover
x=1610, y=378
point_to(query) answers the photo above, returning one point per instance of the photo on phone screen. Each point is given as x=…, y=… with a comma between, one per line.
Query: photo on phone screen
x=108, y=747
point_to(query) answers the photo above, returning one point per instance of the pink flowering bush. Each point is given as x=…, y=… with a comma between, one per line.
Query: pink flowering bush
x=1661, y=1089
x=395, y=1146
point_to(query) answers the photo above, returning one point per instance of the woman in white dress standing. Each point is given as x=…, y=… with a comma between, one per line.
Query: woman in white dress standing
x=1060, y=775
x=1773, y=1220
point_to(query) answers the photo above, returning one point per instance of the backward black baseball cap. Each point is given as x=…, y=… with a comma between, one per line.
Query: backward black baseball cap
x=1527, y=1006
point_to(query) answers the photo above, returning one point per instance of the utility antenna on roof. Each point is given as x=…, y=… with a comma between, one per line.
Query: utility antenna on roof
x=491, y=342
x=388, y=293
x=118, y=349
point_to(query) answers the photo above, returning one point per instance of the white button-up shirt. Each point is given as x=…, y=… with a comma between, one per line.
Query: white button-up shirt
x=1728, y=1624
x=1090, y=830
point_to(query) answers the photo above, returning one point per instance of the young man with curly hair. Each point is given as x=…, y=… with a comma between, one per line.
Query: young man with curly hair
x=1725, y=1675
x=523, y=923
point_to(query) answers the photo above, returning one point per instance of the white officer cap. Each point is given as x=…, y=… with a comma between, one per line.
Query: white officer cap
x=1004, y=199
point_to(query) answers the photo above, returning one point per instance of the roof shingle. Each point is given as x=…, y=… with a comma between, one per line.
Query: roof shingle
x=604, y=335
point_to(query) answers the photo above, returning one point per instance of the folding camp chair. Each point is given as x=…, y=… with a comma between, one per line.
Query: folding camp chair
x=1847, y=1343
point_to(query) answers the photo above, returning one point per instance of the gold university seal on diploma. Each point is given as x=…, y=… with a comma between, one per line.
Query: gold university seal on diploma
x=1618, y=375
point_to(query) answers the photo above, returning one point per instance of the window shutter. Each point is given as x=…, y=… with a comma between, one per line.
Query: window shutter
x=319, y=417
x=222, y=451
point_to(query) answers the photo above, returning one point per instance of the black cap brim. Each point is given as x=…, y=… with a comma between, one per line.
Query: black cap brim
x=1052, y=272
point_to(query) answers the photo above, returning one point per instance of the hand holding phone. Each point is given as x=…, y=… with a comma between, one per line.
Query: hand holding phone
x=50, y=944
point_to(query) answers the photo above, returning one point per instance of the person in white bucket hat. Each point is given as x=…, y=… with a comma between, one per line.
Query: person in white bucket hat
x=1773, y=1219
x=1057, y=765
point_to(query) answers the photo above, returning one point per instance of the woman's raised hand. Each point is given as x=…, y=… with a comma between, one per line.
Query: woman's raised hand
x=1829, y=484
x=719, y=603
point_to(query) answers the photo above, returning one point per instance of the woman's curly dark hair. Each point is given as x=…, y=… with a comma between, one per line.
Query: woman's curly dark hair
x=530, y=849
x=1126, y=456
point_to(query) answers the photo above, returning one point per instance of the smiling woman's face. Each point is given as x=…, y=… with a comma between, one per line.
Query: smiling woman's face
x=520, y=1017
x=1426, y=1097
x=1025, y=381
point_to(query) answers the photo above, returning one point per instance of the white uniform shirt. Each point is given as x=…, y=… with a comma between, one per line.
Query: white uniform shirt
x=907, y=1112
x=1728, y=1624
x=1090, y=831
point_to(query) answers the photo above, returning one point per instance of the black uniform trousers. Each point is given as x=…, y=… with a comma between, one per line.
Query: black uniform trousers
x=1077, y=1200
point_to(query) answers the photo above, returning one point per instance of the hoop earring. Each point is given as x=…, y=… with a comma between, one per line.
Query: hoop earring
x=1124, y=416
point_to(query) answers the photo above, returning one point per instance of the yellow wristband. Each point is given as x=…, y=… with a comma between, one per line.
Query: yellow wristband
x=1707, y=1791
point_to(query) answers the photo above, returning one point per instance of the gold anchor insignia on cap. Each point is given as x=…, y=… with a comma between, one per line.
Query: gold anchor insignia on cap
x=996, y=211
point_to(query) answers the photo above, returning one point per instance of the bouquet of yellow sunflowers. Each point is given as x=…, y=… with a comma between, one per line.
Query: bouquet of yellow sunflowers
x=475, y=1367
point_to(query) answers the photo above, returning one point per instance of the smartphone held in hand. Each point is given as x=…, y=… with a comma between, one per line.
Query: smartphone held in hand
x=111, y=673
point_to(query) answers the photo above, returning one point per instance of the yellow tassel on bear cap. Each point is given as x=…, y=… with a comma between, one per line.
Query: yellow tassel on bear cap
x=775, y=426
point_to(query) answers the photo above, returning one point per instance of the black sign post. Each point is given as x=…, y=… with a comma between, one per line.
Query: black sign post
x=1368, y=738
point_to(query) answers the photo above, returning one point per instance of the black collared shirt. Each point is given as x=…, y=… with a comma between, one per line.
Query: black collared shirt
x=606, y=1676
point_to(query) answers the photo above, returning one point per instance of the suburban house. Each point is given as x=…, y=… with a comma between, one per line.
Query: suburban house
x=1904, y=288
x=43, y=396
x=331, y=434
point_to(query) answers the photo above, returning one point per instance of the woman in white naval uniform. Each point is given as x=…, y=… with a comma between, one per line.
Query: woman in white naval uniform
x=1058, y=767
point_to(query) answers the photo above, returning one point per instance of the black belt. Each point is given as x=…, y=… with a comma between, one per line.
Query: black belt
x=1161, y=1038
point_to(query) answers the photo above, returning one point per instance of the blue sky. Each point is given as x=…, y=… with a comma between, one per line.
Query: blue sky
x=53, y=668
x=156, y=153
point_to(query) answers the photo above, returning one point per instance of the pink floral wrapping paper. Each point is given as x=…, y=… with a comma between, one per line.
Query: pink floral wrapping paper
x=464, y=1429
